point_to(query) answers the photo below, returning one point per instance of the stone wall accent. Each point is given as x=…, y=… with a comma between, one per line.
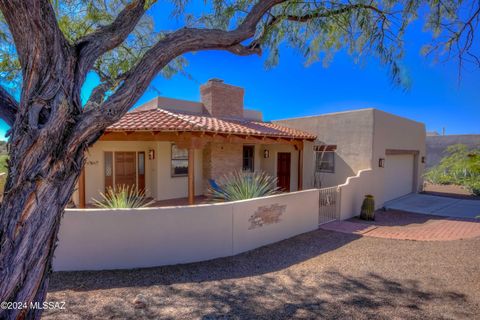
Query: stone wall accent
x=220, y=159
x=222, y=100
x=266, y=215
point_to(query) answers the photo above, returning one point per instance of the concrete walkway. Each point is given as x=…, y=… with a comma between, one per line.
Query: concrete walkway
x=434, y=205
x=402, y=225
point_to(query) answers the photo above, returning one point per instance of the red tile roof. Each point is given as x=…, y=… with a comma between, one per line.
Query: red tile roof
x=166, y=121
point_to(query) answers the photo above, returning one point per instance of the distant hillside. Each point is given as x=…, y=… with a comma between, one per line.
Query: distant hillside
x=3, y=147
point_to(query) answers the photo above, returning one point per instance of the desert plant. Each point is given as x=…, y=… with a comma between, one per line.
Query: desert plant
x=460, y=166
x=240, y=185
x=368, y=208
x=122, y=197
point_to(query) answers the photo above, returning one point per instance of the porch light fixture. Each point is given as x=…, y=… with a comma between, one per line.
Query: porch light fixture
x=381, y=162
x=266, y=154
x=151, y=154
x=423, y=159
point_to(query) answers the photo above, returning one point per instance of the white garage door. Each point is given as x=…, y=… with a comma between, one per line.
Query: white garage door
x=398, y=176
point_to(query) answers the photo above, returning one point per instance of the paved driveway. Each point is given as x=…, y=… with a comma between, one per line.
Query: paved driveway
x=440, y=206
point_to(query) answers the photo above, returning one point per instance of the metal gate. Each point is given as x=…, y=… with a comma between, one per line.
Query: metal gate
x=329, y=200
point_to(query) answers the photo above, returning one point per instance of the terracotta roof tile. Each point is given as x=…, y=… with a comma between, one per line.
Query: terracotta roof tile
x=165, y=121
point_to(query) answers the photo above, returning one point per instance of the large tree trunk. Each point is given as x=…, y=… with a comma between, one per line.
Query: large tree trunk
x=43, y=170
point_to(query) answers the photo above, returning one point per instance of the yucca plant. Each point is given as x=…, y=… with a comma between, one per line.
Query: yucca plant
x=240, y=185
x=122, y=197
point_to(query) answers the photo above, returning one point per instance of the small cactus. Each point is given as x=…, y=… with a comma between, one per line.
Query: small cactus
x=368, y=208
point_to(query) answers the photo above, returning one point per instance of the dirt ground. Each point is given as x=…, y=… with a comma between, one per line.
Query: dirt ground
x=452, y=191
x=321, y=274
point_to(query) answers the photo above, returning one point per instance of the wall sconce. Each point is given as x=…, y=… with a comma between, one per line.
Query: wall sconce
x=381, y=162
x=423, y=159
x=151, y=154
x=266, y=153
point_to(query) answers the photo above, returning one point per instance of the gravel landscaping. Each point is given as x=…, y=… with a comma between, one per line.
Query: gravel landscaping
x=321, y=274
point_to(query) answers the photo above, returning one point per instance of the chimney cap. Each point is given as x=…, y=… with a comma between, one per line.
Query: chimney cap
x=216, y=80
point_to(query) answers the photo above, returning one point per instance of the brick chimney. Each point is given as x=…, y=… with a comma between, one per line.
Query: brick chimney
x=222, y=100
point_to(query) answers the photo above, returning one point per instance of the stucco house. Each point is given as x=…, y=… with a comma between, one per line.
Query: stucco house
x=392, y=148
x=171, y=148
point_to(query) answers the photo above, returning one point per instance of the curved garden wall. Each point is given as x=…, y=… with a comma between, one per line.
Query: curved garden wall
x=95, y=239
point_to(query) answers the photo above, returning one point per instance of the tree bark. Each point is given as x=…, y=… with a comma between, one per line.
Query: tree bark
x=51, y=131
x=41, y=180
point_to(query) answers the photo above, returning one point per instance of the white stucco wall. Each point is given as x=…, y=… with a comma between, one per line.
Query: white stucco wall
x=96, y=239
x=159, y=183
x=94, y=167
x=392, y=132
x=351, y=132
x=353, y=191
x=169, y=187
x=362, y=138
x=269, y=165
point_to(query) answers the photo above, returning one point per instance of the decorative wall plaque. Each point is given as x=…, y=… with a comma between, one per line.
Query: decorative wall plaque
x=266, y=215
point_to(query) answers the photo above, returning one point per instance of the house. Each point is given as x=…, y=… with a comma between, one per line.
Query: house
x=171, y=148
x=391, y=147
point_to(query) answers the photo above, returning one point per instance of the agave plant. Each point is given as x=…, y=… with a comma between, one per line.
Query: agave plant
x=122, y=197
x=240, y=185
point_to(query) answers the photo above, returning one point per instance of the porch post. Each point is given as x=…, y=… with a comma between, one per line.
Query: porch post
x=191, y=175
x=81, y=189
x=300, y=169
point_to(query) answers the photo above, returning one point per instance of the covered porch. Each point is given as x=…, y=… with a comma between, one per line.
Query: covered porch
x=174, y=167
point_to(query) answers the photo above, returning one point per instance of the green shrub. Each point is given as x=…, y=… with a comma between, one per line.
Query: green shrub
x=460, y=166
x=122, y=197
x=474, y=187
x=240, y=185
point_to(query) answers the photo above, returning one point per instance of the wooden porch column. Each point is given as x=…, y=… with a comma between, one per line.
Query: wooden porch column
x=81, y=189
x=300, y=169
x=191, y=175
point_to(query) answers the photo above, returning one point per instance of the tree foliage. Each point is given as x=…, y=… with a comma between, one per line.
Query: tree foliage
x=318, y=29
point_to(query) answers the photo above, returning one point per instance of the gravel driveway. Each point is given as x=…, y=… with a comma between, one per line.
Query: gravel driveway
x=321, y=274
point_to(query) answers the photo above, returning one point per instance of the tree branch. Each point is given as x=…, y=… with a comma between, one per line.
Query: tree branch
x=173, y=45
x=105, y=38
x=8, y=107
x=316, y=14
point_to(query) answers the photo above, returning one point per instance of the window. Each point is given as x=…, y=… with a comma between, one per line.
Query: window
x=179, y=161
x=108, y=172
x=325, y=161
x=248, y=156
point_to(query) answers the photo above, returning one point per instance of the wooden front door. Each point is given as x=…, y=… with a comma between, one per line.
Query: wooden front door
x=125, y=169
x=283, y=171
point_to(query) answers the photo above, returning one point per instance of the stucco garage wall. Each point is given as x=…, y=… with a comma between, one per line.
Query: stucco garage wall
x=96, y=239
x=392, y=132
x=351, y=131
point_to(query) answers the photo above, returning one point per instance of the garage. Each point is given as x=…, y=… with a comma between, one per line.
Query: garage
x=399, y=175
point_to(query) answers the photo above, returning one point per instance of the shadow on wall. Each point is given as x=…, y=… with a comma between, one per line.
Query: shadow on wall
x=342, y=172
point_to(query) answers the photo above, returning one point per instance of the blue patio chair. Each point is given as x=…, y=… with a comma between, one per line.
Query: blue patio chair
x=214, y=185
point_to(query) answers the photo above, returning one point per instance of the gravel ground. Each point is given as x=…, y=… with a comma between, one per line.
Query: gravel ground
x=321, y=274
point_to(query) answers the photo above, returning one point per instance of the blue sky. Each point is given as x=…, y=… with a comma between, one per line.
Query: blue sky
x=291, y=89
